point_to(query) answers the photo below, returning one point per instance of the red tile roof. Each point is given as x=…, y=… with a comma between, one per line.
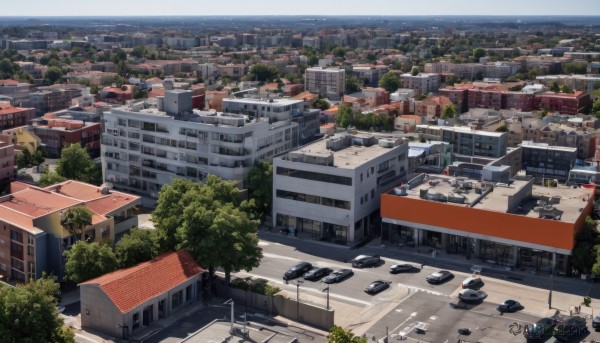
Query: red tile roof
x=36, y=202
x=128, y=288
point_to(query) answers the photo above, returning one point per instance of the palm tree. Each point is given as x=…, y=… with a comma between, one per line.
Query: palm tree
x=75, y=219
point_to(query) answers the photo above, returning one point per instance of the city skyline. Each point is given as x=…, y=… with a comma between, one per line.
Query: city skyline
x=309, y=7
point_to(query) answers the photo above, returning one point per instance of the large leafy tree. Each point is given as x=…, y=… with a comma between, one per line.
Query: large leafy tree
x=260, y=186
x=75, y=164
x=584, y=255
x=75, y=219
x=29, y=314
x=449, y=112
x=338, y=334
x=262, y=73
x=49, y=178
x=136, y=247
x=89, y=260
x=390, y=81
x=187, y=216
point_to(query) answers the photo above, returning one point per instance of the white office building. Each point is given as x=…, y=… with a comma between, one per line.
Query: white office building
x=330, y=190
x=147, y=145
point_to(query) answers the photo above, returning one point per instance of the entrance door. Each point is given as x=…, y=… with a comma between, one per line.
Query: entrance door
x=147, y=315
x=161, y=309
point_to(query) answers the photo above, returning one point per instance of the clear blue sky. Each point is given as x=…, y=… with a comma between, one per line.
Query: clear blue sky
x=291, y=7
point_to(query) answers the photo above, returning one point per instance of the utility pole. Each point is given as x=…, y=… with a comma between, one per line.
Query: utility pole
x=230, y=302
x=327, y=289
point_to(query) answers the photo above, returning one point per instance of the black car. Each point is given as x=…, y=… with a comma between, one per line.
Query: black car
x=542, y=328
x=317, y=272
x=439, y=277
x=571, y=327
x=297, y=271
x=362, y=261
x=401, y=268
x=377, y=286
x=338, y=275
x=509, y=306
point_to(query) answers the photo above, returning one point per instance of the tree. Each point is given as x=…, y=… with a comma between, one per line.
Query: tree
x=584, y=256
x=24, y=159
x=7, y=69
x=575, y=68
x=75, y=164
x=38, y=156
x=478, y=53
x=86, y=261
x=352, y=85
x=452, y=80
x=566, y=89
x=76, y=219
x=136, y=247
x=139, y=51
x=53, y=74
x=414, y=71
x=596, y=106
x=320, y=103
x=29, y=313
x=338, y=334
x=344, y=116
x=50, y=178
x=390, y=81
x=260, y=186
x=262, y=73
x=554, y=87
x=448, y=112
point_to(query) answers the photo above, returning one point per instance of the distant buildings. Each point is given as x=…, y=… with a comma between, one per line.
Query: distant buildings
x=330, y=190
x=328, y=82
x=423, y=83
x=371, y=74
x=471, y=71
x=11, y=117
x=57, y=133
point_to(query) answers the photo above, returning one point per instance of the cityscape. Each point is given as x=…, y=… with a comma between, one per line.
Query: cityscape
x=281, y=172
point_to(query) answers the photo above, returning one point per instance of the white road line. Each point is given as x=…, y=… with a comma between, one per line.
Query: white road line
x=266, y=254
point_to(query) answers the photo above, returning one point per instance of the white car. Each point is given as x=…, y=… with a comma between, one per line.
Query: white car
x=471, y=295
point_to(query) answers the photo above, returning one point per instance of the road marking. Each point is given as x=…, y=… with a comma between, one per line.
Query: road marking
x=417, y=289
x=399, y=310
x=266, y=254
x=433, y=317
x=407, y=319
x=263, y=244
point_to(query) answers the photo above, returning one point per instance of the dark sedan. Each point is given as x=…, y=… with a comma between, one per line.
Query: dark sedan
x=541, y=329
x=362, y=261
x=297, y=271
x=338, y=275
x=510, y=306
x=377, y=286
x=317, y=272
x=572, y=327
x=401, y=268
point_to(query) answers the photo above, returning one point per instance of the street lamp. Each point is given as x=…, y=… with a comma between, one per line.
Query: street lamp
x=551, y=286
x=298, y=283
x=327, y=289
x=230, y=302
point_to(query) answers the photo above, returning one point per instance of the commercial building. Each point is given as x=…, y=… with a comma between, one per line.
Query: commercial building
x=423, y=83
x=329, y=82
x=514, y=224
x=330, y=190
x=146, y=145
x=546, y=162
x=127, y=300
x=33, y=240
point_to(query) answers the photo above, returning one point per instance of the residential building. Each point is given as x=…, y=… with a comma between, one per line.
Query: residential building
x=431, y=107
x=329, y=82
x=50, y=99
x=34, y=241
x=11, y=117
x=146, y=145
x=127, y=300
x=7, y=162
x=423, y=83
x=367, y=98
x=585, y=83
x=547, y=162
x=58, y=133
x=23, y=138
x=471, y=71
x=466, y=141
x=180, y=43
x=516, y=224
x=234, y=71
x=579, y=102
x=371, y=74
x=330, y=190
x=116, y=95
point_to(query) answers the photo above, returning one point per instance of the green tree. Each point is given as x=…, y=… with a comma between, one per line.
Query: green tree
x=338, y=334
x=575, y=68
x=38, y=156
x=7, y=69
x=260, y=186
x=478, y=53
x=390, y=81
x=262, y=73
x=49, y=178
x=414, y=71
x=596, y=106
x=139, y=51
x=448, y=112
x=86, y=261
x=138, y=246
x=554, y=87
x=75, y=164
x=53, y=74
x=566, y=89
x=344, y=116
x=30, y=315
x=584, y=256
x=24, y=159
x=452, y=80
x=76, y=219
x=352, y=85
x=320, y=103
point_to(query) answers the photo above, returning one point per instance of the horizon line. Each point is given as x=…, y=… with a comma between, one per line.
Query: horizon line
x=299, y=15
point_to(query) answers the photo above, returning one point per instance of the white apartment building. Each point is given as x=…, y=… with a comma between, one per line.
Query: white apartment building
x=469, y=71
x=423, y=83
x=146, y=145
x=586, y=83
x=330, y=190
x=329, y=82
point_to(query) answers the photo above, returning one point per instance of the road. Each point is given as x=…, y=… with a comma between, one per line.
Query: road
x=410, y=302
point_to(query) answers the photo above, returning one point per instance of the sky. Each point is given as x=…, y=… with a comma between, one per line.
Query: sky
x=292, y=7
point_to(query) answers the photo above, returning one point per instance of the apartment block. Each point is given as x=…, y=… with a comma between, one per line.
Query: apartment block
x=470, y=71
x=329, y=82
x=466, y=141
x=330, y=190
x=545, y=161
x=423, y=83
x=148, y=144
x=57, y=133
x=50, y=99
x=7, y=162
x=11, y=117
x=371, y=74
x=33, y=240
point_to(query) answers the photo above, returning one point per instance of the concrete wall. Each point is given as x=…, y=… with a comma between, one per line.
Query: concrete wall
x=103, y=314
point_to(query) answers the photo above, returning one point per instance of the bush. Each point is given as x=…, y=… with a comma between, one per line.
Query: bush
x=587, y=301
x=256, y=286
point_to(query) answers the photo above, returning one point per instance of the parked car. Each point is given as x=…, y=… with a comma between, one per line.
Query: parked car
x=377, y=286
x=471, y=295
x=362, y=261
x=297, y=271
x=338, y=275
x=473, y=282
x=439, y=277
x=572, y=327
x=509, y=306
x=596, y=322
x=401, y=268
x=541, y=329
x=317, y=272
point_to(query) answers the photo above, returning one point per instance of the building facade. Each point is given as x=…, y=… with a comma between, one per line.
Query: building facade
x=423, y=83
x=547, y=162
x=329, y=82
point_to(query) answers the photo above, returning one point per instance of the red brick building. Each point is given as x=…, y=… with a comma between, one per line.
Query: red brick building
x=58, y=133
x=11, y=117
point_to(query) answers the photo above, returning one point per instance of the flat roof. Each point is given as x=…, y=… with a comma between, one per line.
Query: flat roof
x=274, y=102
x=571, y=200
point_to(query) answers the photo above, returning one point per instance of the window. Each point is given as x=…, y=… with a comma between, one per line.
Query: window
x=136, y=320
x=176, y=299
x=188, y=293
x=328, y=178
x=16, y=236
x=372, y=193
